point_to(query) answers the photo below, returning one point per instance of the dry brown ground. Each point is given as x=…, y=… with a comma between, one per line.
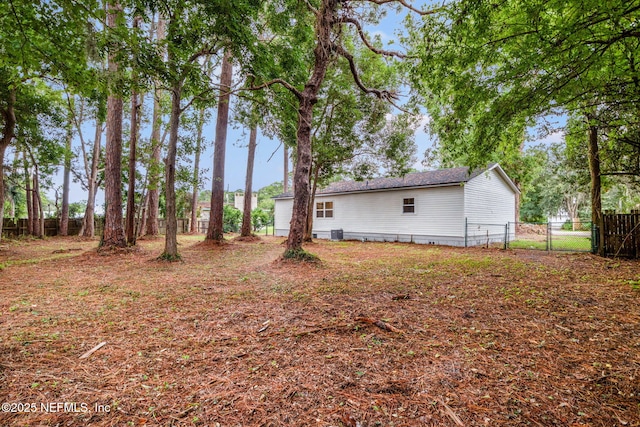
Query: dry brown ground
x=230, y=337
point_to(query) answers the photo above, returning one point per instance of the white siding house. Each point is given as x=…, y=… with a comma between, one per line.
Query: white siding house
x=447, y=207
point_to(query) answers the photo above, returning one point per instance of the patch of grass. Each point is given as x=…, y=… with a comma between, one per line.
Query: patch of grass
x=169, y=257
x=470, y=263
x=558, y=243
x=300, y=255
x=528, y=244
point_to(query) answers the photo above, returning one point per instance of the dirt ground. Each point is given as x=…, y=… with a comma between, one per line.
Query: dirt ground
x=378, y=334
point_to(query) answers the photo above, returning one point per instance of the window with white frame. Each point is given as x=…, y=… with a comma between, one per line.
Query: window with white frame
x=409, y=205
x=324, y=210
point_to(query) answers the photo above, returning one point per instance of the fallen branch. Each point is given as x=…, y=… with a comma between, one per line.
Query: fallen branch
x=380, y=324
x=447, y=409
x=64, y=251
x=563, y=328
x=326, y=328
x=93, y=350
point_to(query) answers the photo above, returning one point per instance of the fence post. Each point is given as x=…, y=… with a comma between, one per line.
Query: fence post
x=549, y=236
x=466, y=226
x=506, y=235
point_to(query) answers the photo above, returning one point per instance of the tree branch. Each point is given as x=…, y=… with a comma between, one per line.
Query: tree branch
x=311, y=8
x=382, y=94
x=284, y=83
x=363, y=37
x=407, y=5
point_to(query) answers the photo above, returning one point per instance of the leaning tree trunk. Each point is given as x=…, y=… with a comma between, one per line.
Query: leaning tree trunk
x=153, y=207
x=216, y=225
x=27, y=188
x=8, y=132
x=130, y=222
x=35, y=204
x=248, y=190
x=38, y=211
x=88, y=222
x=171, y=235
x=142, y=218
x=131, y=190
x=113, y=235
x=596, y=185
x=285, y=182
x=322, y=54
x=64, y=213
x=38, y=201
x=196, y=173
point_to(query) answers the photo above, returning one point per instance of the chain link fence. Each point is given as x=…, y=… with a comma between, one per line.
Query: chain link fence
x=570, y=236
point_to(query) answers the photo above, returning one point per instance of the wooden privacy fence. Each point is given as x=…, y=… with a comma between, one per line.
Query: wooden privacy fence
x=621, y=234
x=18, y=227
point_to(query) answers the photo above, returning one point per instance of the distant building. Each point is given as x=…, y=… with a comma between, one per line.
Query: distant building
x=239, y=201
x=204, y=208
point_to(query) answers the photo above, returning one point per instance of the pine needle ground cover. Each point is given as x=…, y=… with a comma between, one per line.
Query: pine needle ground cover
x=374, y=334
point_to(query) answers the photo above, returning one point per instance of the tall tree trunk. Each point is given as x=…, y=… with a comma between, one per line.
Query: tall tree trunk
x=64, y=214
x=171, y=235
x=308, y=235
x=8, y=132
x=518, y=202
x=248, y=187
x=596, y=184
x=285, y=182
x=216, y=229
x=152, y=228
x=113, y=235
x=143, y=215
x=37, y=203
x=131, y=190
x=88, y=222
x=325, y=19
x=130, y=221
x=196, y=173
x=27, y=187
x=38, y=212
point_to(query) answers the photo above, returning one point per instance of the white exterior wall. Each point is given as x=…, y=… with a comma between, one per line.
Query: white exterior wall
x=489, y=204
x=487, y=201
x=282, y=211
x=378, y=216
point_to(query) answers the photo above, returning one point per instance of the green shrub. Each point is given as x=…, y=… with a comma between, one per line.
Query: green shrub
x=231, y=219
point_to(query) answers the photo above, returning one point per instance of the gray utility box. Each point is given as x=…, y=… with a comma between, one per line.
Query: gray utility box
x=337, y=234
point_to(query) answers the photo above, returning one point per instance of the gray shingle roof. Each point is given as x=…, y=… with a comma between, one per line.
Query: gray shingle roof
x=434, y=178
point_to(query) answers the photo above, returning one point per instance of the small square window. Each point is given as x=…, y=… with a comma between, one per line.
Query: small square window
x=324, y=210
x=408, y=205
